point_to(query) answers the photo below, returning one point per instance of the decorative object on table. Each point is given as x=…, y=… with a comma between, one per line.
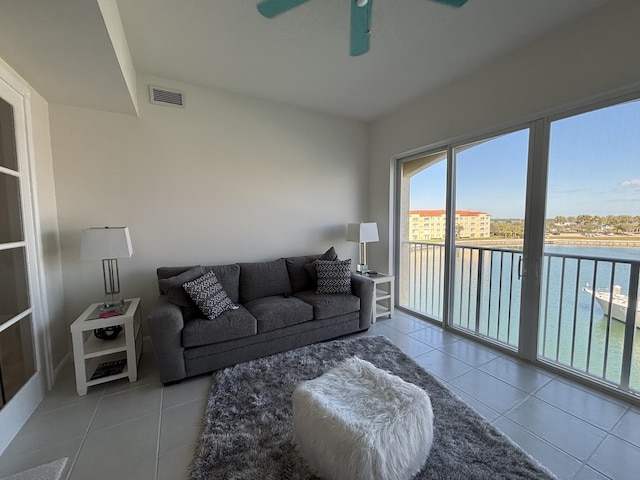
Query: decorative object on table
x=249, y=439
x=108, y=244
x=108, y=333
x=362, y=233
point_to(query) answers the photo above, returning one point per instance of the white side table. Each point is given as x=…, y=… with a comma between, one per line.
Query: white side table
x=89, y=352
x=382, y=296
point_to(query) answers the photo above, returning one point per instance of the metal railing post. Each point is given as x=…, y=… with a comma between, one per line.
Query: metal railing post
x=630, y=326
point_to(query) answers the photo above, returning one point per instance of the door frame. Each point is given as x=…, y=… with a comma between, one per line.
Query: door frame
x=533, y=248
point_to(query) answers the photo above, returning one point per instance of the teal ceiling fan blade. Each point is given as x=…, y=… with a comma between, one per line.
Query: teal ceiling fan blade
x=360, y=18
x=451, y=3
x=360, y=27
x=271, y=8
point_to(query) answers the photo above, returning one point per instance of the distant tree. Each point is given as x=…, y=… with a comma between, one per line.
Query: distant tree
x=587, y=223
x=559, y=221
x=623, y=224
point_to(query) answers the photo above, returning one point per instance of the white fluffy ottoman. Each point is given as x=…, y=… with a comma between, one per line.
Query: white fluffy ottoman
x=359, y=422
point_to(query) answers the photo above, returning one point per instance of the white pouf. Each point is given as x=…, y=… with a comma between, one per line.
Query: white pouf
x=359, y=422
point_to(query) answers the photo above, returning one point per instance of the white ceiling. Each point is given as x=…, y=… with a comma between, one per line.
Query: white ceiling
x=299, y=58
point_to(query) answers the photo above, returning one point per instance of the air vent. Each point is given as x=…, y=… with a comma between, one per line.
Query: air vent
x=166, y=97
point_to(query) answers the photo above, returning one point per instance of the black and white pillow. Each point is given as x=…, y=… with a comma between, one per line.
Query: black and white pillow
x=333, y=276
x=207, y=292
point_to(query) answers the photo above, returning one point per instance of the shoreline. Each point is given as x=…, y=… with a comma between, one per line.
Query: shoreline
x=593, y=242
x=579, y=242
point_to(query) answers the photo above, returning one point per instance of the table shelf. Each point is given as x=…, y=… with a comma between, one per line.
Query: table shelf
x=97, y=361
x=94, y=347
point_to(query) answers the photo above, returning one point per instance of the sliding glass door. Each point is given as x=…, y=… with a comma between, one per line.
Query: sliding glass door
x=490, y=194
x=530, y=239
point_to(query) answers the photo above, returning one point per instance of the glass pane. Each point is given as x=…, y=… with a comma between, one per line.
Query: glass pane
x=422, y=233
x=8, y=157
x=14, y=294
x=491, y=178
x=10, y=217
x=17, y=362
x=592, y=243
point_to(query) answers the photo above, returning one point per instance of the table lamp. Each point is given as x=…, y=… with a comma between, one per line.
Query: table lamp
x=362, y=233
x=107, y=244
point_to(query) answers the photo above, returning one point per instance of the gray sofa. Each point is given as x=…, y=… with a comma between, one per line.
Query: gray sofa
x=278, y=309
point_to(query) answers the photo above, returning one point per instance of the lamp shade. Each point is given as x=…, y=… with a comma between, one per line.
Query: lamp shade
x=105, y=242
x=362, y=232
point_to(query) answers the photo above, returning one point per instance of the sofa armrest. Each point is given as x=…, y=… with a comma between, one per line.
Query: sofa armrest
x=363, y=287
x=165, y=325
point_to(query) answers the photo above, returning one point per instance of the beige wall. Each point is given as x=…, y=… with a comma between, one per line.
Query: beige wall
x=594, y=55
x=227, y=179
x=48, y=216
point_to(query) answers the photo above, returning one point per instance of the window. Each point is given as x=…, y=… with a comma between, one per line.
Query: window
x=536, y=281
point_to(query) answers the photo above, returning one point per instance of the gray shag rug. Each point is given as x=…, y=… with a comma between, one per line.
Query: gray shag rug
x=48, y=471
x=247, y=425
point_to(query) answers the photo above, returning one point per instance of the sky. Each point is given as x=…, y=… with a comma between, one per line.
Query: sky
x=594, y=169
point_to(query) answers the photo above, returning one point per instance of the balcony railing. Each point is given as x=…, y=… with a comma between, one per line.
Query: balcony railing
x=580, y=329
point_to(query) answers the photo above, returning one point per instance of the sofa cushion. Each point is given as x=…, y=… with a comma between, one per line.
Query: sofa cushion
x=229, y=325
x=299, y=273
x=334, y=276
x=327, y=306
x=229, y=277
x=300, y=279
x=209, y=295
x=278, y=312
x=172, y=286
x=263, y=279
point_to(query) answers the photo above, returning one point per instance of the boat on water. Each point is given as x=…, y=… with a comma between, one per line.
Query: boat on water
x=618, y=303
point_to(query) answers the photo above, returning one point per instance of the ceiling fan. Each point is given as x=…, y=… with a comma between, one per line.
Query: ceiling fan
x=360, y=18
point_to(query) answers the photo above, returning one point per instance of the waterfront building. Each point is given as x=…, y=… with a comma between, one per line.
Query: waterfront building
x=431, y=224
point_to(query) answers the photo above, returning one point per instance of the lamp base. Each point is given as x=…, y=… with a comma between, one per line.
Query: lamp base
x=113, y=302
x=362, y=268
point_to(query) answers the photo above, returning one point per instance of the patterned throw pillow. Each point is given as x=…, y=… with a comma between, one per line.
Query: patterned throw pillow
x=207, y=292
x=333, y=276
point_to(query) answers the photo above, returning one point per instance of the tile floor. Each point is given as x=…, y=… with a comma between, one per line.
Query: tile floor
x=145, y=431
